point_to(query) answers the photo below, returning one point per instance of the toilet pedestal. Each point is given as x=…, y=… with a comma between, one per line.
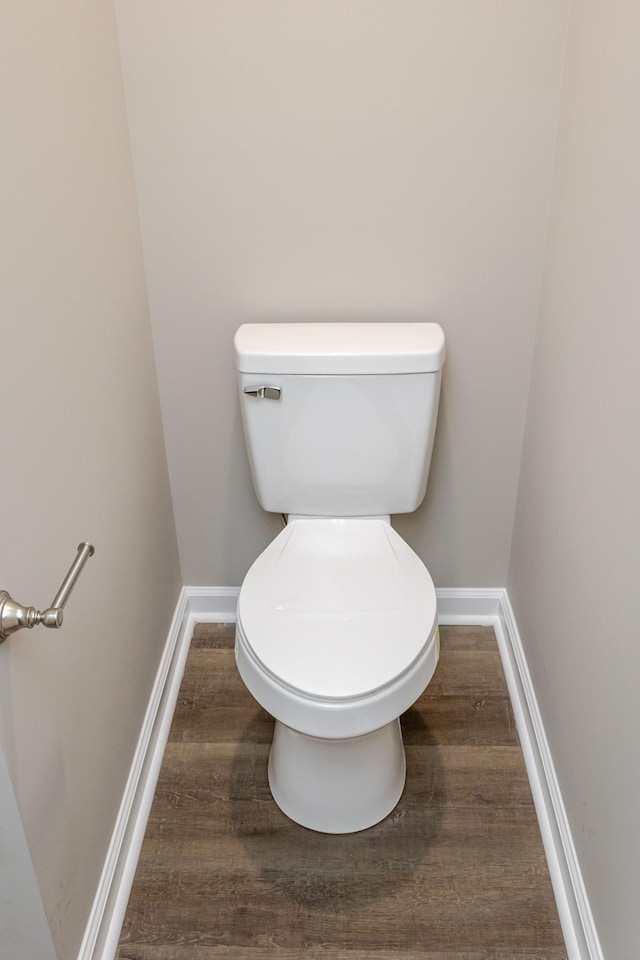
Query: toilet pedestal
x=337, y=786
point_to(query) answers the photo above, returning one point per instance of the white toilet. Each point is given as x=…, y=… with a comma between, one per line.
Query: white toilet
x=337, y=630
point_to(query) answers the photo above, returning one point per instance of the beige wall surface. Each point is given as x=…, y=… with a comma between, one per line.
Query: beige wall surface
x=576, y=551
x=355, y=159
x=83, y=453
x=351, y=159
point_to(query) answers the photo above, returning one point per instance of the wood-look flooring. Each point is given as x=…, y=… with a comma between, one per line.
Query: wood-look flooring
x=455, y=872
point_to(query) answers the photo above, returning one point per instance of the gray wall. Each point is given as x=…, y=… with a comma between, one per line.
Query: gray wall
x=344, y=159
x=83, y=452
x=575, y=564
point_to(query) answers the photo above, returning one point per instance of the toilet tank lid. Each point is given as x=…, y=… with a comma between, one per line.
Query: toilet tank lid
x=339, y=348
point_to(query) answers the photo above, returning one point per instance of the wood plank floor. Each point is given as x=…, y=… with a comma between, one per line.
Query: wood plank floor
x=455, y=872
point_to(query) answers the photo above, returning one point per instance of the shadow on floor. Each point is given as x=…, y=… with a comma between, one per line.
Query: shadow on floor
x=327, y=872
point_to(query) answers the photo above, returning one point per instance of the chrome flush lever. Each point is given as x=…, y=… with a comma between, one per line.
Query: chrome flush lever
x=14, y=616
x=263, y=393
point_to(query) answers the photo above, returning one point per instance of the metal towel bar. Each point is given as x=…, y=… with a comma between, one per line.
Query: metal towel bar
x=15, y=616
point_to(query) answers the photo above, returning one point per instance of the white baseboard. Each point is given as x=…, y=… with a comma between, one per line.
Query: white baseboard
x=459, y=606
x=578, y=927
x=455, y=606
x=492, y=607
x=214, y=604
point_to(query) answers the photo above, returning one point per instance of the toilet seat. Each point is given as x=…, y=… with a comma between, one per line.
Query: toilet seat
x=337, y=618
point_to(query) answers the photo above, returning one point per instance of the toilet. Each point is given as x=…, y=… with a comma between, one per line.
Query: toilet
x=337, y=631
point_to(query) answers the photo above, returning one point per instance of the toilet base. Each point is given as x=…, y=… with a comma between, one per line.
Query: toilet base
x=337, y=786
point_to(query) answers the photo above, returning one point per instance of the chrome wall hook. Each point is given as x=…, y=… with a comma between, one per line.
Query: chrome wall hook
x=15, y=616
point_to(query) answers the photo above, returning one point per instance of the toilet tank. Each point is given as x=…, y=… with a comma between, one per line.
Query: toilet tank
x=339, y=418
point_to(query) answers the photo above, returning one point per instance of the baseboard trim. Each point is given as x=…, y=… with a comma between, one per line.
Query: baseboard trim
x=490, y=606
x=102, y=933
x=459, y=606
x=578, y=927
x=213, y=604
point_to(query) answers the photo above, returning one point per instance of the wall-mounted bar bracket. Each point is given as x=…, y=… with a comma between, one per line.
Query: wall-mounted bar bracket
x=15, y=616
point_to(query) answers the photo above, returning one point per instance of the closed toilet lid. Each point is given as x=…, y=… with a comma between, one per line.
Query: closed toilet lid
x=337, y=608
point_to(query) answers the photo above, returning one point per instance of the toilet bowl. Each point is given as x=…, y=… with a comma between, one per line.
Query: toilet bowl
x=336, y=637
x=336, y=631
